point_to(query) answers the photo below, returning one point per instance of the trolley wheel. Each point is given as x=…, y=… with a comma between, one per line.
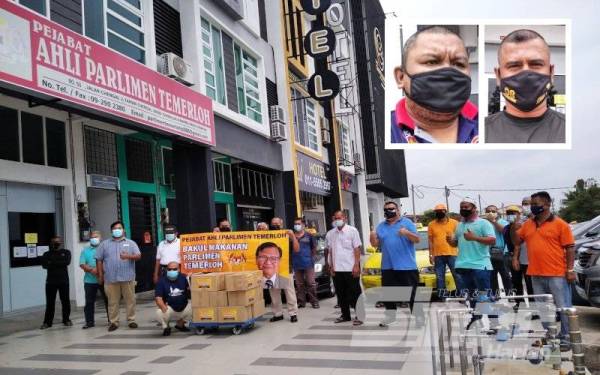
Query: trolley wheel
x=200, y=331
x=236, y=330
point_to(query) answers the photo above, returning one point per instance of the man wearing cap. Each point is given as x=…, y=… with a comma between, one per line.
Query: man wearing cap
x=473, y=236
x=167, y=252
x=518, y=255
x=435, y=79
x=441, y=253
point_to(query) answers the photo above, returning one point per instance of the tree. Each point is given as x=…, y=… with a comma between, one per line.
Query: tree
x=583, y=203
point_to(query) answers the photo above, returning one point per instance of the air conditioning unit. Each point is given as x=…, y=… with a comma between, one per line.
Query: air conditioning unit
x=325, y=124
x=357, y=163
x=325, y=137
x=278, y=123
x=175, y=67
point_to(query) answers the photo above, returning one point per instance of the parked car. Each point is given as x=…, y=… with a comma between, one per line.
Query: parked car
x=372, y=270
x=587, y=265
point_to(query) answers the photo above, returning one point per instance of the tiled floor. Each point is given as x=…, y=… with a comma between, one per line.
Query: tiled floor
x=314, y=345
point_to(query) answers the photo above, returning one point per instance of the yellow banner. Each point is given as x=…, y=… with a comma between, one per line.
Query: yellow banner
x=235, y=251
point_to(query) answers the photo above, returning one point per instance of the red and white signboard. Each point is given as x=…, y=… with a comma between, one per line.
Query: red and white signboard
x=41, y=55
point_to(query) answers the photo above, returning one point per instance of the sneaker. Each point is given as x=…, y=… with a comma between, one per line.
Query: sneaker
x=315, y=305
x=387, y=321
x=68, y=323
x=88, y=325
x=45, y=326
x=301, y=305
x=112, y=327
x=357, y=322
x=341, y=319
x=294, y=319
x=183, y=328
x=276, y=318
x=167, y=331
x=133, y=325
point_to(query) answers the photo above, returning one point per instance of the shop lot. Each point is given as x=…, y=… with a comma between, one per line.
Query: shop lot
x=314, y=345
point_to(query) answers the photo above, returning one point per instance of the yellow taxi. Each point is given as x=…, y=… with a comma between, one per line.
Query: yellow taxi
x=371, y=274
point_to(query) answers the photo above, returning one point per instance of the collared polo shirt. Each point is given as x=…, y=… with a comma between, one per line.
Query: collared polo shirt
x=397, y=251
x=546, y=245
x=168, y=252
x=473, y=254
x=116, y=269
x=405, y=130
x=341, y=244
x=438, y=232
x=88, y=257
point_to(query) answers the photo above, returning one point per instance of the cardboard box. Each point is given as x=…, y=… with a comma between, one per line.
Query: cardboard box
x=205, y=314
x=210, y=282
x=201, y=298
x=234, y=314
x=258, y=274
x=235, y=281
x=244, y=297
x=258, y=308
x=218, y=299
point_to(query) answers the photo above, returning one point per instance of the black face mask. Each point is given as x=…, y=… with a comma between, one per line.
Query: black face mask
x=526, y=90
x=440, y=215
x=225, y=229
x=389, y=214
x=274, y=227
x=55, y=245
x=537, y=210
x=444, y=90
x=466, y=213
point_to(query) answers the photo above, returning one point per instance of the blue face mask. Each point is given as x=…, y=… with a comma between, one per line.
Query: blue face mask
x=170, y=237
x=94, y=241
x=117, y=233
x=171, y=274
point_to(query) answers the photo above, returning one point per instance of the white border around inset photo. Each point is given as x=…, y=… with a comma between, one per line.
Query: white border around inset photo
x=393, y=56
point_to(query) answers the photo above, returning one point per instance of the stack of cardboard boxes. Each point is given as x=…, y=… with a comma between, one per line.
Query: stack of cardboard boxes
x=227, y=297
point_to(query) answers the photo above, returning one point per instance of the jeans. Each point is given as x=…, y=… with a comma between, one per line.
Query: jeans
x=348, y=289
x=63, y=292
x=561, y=293
x=306, y=286
x=440, y=263
x=91, y=291
x=475, y=283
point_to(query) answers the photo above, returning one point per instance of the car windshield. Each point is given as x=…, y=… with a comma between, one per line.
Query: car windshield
x=582, y=228
x=424, y=243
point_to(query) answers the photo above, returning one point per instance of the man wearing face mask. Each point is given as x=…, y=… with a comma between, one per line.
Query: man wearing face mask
x=223, y=225
x=441, y=254
x=344, y=246
x=435, y=79
x=56, y=262
x=498, y=252
x=115, y=261
x=172, y=294
x=304, y=266
x=551, y=252
x=167, y=252
x=87, y=262
x=396, y=237
x=277, y=224
x=473, y=236
x=525, y=75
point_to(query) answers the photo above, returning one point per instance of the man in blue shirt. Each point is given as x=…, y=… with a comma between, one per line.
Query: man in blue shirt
x=473, y=236
x=304, y=266
x=395, y=238
x=87, y=262
x=172, y=294
x=499, y=252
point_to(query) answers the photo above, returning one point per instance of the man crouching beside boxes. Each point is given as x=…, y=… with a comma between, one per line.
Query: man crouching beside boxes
x=268, y=256
x=172, y=296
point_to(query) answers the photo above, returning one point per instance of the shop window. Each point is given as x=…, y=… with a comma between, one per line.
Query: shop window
x=100, y=152
x=168, y=168
x=255, y=184
x=55, y=139
x=9, y=136
x=117, y=23
x=222, y=176
x=32, y=133
x=139, y=160
x=214, y=70
x=294, y=32
x=39, y=6
x=305, y=121
x=246, y=75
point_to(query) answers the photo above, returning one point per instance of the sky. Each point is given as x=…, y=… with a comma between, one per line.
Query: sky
x=513, y=169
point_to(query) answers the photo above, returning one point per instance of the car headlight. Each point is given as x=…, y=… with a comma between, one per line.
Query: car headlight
x=318, y=267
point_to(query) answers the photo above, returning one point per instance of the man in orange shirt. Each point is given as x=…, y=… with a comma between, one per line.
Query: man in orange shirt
x=551, y=252
x=442, y=254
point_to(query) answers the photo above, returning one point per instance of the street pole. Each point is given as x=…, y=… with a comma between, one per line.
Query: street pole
x=479, y=195
x=412, y=194
x=447, y=194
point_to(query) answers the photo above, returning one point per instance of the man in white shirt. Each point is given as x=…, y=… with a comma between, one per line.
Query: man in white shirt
x=268, y=256
x=344, y=246
x=167, y=252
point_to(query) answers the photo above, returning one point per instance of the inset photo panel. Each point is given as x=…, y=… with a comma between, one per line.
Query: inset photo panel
x=526, y=75
x=432, y=86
